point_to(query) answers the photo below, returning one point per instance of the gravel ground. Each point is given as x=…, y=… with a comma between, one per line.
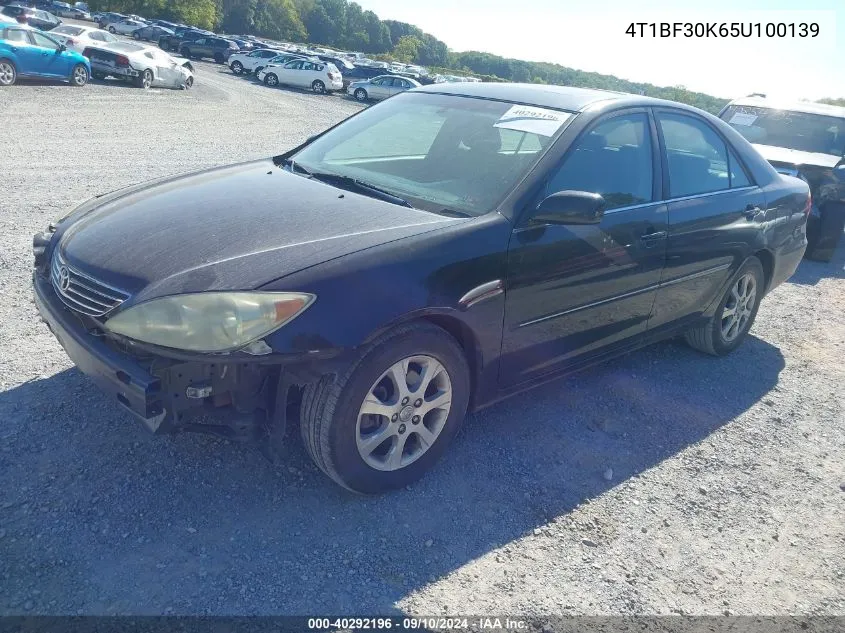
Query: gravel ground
x=665, y=482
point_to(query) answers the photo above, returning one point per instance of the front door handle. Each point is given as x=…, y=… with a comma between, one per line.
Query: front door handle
x=752, y=211
x=650, y=239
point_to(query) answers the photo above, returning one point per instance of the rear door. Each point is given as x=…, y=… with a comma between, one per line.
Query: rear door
x=715, y=211
x=578, y=291
x=29, y=57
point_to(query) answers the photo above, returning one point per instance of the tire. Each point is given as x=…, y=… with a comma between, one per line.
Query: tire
x=189, y=83
x=271, y=80
x=237, y=68
x=257, y=70
x=136, y=36
x=112, y=31
x=79, y=76
x=711, y=337
x=218, y=58
x=825, y=231
x=145, y=81
x=98, y=75
x=185, y=52
x=8, y=73
x=319, y=87
x=332, y=423
x=361, y=94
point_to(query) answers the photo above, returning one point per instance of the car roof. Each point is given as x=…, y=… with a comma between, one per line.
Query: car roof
x=807, y=107
x=545, y=96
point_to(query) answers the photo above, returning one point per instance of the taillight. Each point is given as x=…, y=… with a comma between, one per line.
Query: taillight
x=70, y=41
x=121, y=60
x=21, y=19
x=809, y=205
x=333, y=76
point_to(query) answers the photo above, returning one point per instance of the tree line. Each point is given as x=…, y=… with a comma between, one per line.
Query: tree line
x=346, y=25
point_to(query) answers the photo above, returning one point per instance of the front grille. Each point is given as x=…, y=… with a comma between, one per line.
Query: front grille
x=83, y=293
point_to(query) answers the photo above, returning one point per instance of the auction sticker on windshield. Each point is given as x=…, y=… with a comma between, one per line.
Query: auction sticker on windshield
x=743, y=118
x=530, y=119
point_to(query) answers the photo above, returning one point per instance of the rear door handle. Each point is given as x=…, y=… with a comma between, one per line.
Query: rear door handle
x=752, y=211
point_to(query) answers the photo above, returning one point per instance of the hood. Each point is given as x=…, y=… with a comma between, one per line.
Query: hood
x=796, y=157
x=236, y=227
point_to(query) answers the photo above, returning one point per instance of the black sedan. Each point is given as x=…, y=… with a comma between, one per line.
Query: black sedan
x=433, y=254
x=36, y=18
x=151, y=33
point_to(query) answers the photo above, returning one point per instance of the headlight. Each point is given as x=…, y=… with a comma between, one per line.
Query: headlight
x=209, y=321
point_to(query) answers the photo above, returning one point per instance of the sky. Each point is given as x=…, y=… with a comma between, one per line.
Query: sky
x=590, y=35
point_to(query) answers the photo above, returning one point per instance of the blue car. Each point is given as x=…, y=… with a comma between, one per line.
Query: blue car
x=27, y=52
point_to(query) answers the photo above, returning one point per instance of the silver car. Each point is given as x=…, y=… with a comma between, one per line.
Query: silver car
x=380, y=87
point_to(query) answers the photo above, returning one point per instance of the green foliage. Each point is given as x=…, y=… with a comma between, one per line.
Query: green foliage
x=278, y=19
x=407, y=49
x=835, y=102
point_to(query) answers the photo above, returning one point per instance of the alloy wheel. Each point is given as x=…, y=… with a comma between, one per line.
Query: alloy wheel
x=361, y=94
x=403, y=413
x=739, y=307
x=7, y=73
x=319, y=87
x=80, y=75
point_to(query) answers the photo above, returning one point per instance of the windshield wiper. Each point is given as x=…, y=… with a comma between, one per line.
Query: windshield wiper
x=360, y=186
x=295, y=167
x=454, y=213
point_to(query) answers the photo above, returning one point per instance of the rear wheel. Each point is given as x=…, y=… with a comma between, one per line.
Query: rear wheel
x=98, y=75
x=237, y=68
x=361, y=94
x=218, y=58
x=145, y=80
x=319, y=87
x=388, y=419
x=79, y=76
x=271, y=80
x=8, y=74
x=729, y=325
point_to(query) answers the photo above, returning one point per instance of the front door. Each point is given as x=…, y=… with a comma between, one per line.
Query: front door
x=50, y=62
x=715, y=212
x=576, y=291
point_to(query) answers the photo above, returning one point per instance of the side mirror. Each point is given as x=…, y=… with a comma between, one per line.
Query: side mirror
x=62, y=48
x=570, y=207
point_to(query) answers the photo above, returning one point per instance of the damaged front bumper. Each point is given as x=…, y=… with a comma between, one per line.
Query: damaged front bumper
x=167, y=394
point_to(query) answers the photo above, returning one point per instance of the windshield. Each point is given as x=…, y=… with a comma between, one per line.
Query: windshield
x=439, y=152
x=782, y=128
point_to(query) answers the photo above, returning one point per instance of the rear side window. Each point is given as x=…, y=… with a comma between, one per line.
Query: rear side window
x=16, y=35
x=697, y=157
x=613, y=159
x=738, y=177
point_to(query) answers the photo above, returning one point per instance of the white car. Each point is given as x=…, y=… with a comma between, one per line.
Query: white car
x=241, y=63
x=319, y=76
x=145, y=66
x=125, y=27
x=77, y=38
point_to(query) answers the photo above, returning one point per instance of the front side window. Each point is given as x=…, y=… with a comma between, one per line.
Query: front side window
x=16, y=35
x=613, y=159
x=801, y=131
x=43, y=41
x=294, y=65
x=439, y=152
x=697, y=157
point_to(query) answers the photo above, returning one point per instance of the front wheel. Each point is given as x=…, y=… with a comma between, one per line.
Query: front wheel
x=237, y=68
x=388, y=419
x=734, y=316
x=79, y=76
x=145, y=80
x=271, y=80
x=111, y=30
x=361, y=94
x=136, y=36
x=319, y=87
x=8, y=74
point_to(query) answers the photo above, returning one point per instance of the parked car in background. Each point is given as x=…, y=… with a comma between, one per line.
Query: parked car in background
x=125, y=27
x=64, y=10
x=78, y=38
x=180, y=36
x=144, y=65
x=168, y=25
x=806, y=140
x=217, y=48
x=361, y=73
x=243, y=45
x=108, y=17
x=242, y=62
x=534, y=230
x=380, y=87
x=151, y=33
x=321, y=77
x=27, y=52
x=82, y=6
x=33, y=17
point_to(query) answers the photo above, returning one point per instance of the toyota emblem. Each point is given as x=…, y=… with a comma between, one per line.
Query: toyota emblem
x=64, y=278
